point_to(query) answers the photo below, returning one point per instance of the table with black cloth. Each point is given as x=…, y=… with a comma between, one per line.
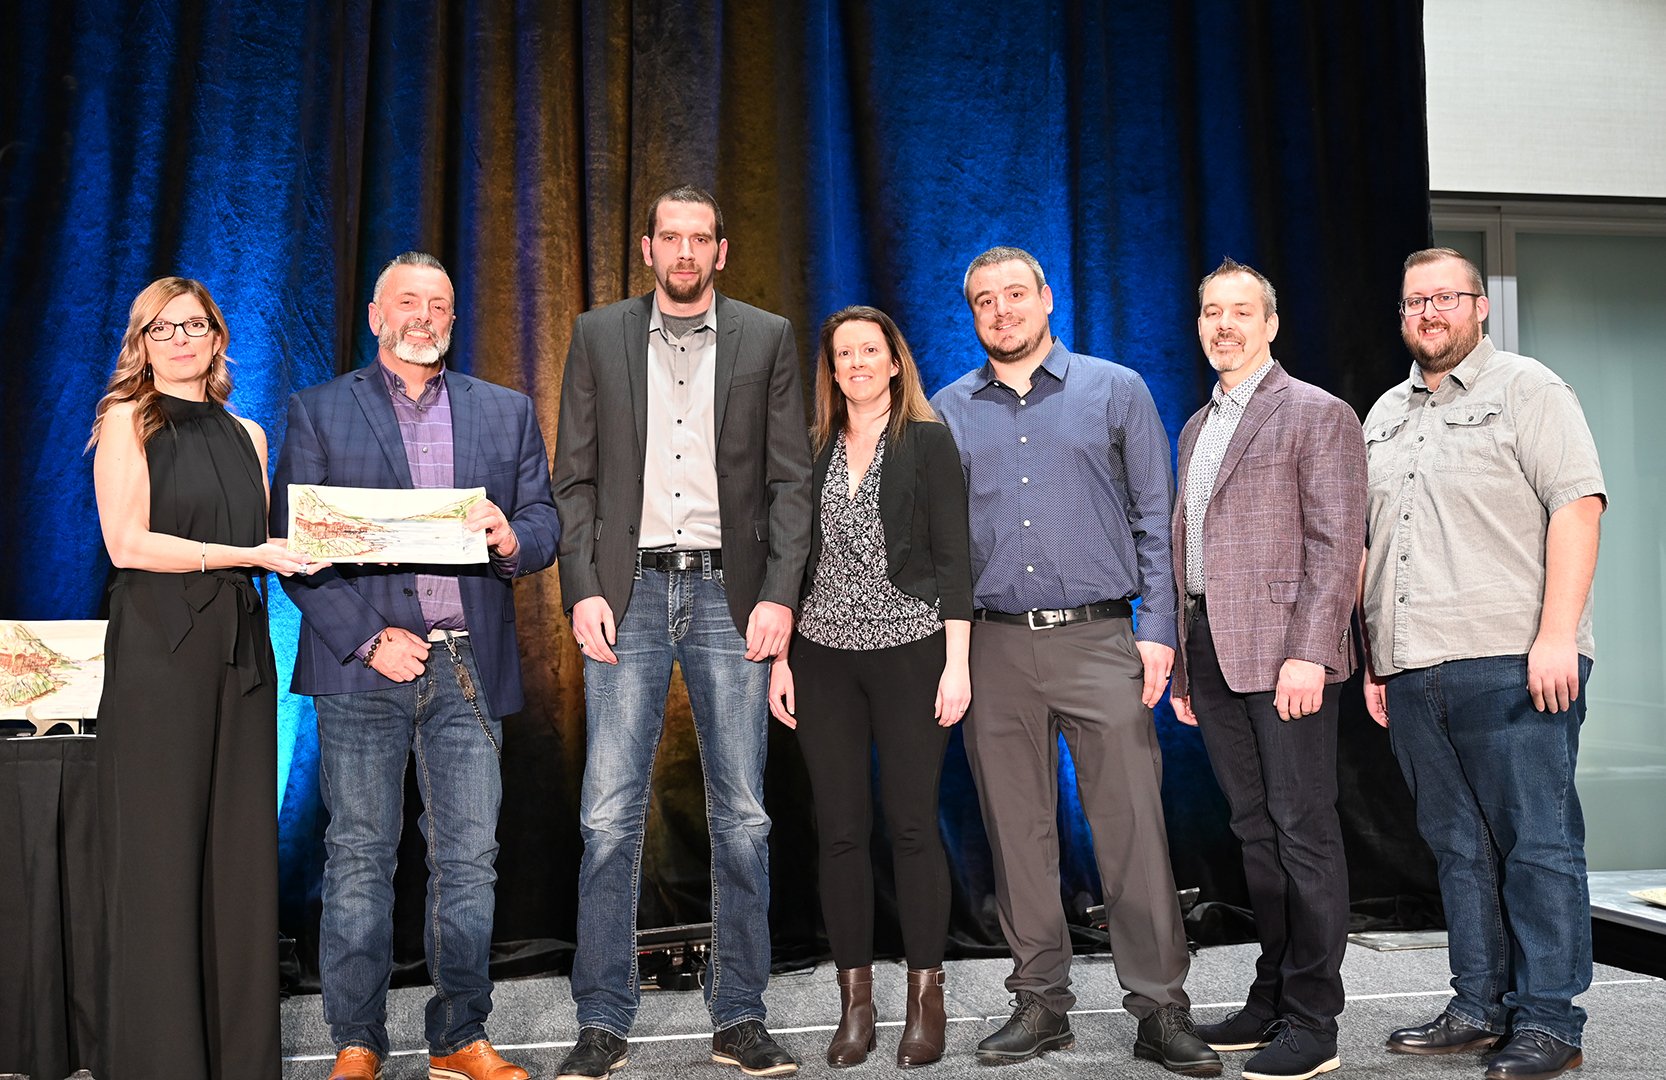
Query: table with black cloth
x=51, y=906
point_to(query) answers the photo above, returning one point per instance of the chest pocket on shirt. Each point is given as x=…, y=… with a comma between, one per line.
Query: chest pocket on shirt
x=1469, y=439
x=1381, y=452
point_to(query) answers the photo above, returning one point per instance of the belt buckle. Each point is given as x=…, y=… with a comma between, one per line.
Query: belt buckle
x=1029, y=617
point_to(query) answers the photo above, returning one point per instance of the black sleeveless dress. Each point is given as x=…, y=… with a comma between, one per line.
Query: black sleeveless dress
x=187, y=774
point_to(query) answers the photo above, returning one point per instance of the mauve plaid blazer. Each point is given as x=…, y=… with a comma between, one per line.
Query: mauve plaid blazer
x=1282, y=537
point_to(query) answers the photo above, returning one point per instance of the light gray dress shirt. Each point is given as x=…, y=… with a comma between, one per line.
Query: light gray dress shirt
x=679, y=481
x=1218, y=428
x=1463, y=481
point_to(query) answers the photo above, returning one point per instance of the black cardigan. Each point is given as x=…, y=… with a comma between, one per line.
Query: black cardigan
x=922, y=506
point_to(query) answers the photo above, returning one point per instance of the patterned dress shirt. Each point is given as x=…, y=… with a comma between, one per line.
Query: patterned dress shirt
x=1218, y=429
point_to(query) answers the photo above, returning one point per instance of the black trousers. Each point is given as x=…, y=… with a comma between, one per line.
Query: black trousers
x=1279, y=778
x=848, y=702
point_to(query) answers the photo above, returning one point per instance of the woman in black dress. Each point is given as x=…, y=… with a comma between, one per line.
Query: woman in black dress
x=879, y=658
x=187, y=735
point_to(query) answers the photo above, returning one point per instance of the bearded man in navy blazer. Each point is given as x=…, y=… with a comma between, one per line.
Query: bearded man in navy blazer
x=414, y=660
x=1268, y=533
x=682, y=472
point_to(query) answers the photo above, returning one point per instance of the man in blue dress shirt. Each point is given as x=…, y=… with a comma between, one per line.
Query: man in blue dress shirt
x=1070, y=492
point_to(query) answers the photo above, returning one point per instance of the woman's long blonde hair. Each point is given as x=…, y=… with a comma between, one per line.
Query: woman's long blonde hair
x=133, y=381
x=908, y=396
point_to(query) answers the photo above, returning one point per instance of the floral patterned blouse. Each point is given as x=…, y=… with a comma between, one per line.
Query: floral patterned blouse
x=852, y=603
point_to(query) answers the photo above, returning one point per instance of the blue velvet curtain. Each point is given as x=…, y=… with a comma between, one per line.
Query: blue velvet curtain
x=864, y=153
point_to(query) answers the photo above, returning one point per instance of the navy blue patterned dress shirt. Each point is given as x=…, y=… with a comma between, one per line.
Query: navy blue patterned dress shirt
x=1070, y=488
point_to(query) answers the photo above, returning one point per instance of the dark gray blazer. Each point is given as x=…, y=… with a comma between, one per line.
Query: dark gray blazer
x=763, y=455
x=922, y=508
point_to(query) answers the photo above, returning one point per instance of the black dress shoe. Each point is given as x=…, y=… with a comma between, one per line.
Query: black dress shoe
x=1242, y=1030
x=749, y=1046
x=1445, y=1034
x=1032, y=1030
x=597, y=1053
x=1169, y=1037
x=1533, y=1055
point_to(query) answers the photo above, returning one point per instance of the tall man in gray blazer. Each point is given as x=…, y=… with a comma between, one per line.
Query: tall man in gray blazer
x=1269, y=528
x=682, y=472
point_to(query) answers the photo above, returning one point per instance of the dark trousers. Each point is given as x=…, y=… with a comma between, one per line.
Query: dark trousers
x=1082, y=681
x=849, y=701
x=1279, y=778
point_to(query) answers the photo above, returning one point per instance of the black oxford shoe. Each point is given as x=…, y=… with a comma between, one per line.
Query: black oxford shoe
x=597, y=1053
x=1533, y=1055
x=1445, y=1034
x=1033, y=1030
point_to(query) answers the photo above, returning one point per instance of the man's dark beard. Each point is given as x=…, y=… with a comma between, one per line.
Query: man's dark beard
x=1461, y=340
x=685, y=295
x=1024, y=348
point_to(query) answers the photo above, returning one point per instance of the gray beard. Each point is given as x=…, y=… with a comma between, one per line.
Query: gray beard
x=411, y=352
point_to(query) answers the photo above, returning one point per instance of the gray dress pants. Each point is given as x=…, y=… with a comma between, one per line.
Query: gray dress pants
x=1084, y=681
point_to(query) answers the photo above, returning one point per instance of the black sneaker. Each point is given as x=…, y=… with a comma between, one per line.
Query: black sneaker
x=1242, y=1030
x=1032, y=1030
x=597, y=1053
x=749, y=1046
x=1169, y=1037
x=1296, y=1053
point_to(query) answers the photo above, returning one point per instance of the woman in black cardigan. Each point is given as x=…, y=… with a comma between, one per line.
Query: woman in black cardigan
x=879, y=658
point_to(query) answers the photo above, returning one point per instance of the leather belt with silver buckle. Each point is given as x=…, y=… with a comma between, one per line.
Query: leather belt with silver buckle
x=437, y=635
x=667, y=561
x=1049, y=618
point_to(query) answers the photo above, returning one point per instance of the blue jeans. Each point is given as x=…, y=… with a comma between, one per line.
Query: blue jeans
x=364, y=741
x=1493, y=782
x=684, y=616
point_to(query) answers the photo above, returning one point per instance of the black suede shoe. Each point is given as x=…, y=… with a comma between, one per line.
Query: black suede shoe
x=1533, y=1055
x=1169, y=1037
x=1032, y=1030
x=1296, y=1053
x=1242, y=1030
x=597, y=1053
x=1445, y=1034
x=749, y=1046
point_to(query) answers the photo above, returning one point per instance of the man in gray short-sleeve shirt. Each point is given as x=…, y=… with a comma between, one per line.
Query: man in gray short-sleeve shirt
x=1485, y=495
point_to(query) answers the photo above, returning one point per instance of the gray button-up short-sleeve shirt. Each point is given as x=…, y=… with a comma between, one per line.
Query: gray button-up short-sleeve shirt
x=1463, y=481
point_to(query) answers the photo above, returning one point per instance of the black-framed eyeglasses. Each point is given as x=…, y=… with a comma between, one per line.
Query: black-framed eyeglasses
x=163, y=330
x=1442, y=301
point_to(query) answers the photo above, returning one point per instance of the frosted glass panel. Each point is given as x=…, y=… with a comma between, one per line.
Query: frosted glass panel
x=1470, y=243
x=1591, y=308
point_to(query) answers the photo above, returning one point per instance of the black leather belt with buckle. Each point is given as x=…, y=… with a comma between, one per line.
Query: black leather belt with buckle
x=667, y=561
x=1048, y=618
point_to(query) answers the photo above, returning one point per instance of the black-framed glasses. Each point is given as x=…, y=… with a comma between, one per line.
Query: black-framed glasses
x=163, y=330
x=1442, y=301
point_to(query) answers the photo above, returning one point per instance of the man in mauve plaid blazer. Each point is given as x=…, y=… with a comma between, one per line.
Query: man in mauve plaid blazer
x=1268, y=532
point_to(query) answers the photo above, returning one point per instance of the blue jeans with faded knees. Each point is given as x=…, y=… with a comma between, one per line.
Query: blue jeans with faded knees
x=364, y=741
x=680, y=615
x=1493, y=782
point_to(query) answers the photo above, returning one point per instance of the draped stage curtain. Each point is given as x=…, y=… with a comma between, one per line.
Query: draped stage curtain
x=863, y=153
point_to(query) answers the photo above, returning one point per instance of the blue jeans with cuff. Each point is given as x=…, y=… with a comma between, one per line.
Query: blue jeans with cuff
x=1493, y=779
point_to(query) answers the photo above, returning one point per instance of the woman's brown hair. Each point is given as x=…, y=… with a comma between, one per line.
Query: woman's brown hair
x=908, y=397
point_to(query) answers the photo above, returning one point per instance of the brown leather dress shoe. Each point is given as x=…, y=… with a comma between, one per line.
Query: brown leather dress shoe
x=357, y=1063
x=476, y=1061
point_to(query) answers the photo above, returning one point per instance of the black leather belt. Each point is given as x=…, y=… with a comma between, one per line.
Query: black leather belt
x=1048, y=618
x=667, y=561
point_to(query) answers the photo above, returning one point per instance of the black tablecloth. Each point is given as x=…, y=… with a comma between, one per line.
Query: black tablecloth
x=51, y=906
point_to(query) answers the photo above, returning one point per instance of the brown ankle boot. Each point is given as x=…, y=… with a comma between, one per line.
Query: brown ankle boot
x=855, y=1036
x=923, y=1030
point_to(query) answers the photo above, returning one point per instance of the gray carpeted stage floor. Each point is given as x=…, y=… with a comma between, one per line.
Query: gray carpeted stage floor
x=533, y=1022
